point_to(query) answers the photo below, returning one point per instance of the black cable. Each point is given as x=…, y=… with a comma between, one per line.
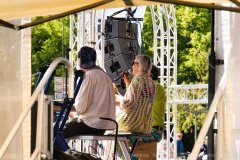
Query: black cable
x=116, y=134
x=131, y=13
x=115, y=13
x=136, y=38
x=66, y=76
x=111, y=55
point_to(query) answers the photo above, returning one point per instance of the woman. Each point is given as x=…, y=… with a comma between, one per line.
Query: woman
x=137, y=106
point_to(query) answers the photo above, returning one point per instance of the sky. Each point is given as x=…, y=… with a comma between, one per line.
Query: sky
x=139, y=13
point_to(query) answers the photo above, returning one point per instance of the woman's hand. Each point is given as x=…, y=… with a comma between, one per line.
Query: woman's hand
x=118, y=99
x=126, y=78
x=115, y=88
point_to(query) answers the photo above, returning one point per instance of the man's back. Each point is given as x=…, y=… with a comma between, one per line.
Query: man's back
x=96, y=99
x=159, y=106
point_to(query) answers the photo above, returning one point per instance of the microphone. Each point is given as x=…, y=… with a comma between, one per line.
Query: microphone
x=128, y=71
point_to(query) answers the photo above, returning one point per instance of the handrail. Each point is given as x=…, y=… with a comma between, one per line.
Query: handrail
x=208, y=118
x=34, y=97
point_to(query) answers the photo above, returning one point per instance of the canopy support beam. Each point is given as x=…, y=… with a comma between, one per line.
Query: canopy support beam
x=6, y=24
x=235, y=2
x=128, y=3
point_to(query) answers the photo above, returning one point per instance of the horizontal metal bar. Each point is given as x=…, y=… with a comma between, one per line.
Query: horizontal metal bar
x=194, y=101
x=190, y=86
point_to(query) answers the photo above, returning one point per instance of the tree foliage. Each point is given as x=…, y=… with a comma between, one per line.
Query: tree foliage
x=194, y=28
x=147, y=33
x=49, y=41
x=194, y=35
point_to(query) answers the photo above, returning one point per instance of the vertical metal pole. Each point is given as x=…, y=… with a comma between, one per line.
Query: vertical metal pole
x=39, y=122
x=82, y=30
x=71, y=39
x=165, y=57
x=92, y=30
x=195, y=127
x=211, y=87
x=168, y=84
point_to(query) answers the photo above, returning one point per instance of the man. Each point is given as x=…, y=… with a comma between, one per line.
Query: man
x=95, y=99
x=180, y=148
x=159, y=106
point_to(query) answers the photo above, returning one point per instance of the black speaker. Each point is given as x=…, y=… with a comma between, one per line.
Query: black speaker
x=121, y=48
x=119, y=64
x=115, y=68
x=117, y=46
x=120, y=29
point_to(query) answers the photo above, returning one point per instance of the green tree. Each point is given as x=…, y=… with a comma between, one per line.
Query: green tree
x=194, y=28
x=147, y=33
x=194, y=35
x=49, y=41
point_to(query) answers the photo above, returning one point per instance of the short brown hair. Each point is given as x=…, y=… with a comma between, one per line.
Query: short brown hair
x=155, y=72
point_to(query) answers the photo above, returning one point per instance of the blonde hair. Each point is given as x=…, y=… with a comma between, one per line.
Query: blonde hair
x=145, y=65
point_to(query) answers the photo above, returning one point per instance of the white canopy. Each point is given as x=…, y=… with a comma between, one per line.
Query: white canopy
x=14, y=9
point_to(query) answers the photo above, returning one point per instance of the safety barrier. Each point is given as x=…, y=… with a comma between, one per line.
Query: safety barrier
x=39, y=94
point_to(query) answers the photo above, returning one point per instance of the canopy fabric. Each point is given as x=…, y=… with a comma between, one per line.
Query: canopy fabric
x=14, y=9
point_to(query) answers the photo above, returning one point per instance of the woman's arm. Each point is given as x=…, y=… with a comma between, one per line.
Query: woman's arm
x=126, y=78
x=132, y=94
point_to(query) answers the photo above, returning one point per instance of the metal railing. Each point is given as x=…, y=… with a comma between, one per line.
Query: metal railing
x=38, y=93
x=209, y=117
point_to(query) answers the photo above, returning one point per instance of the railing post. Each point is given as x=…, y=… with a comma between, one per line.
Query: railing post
x=208, y=118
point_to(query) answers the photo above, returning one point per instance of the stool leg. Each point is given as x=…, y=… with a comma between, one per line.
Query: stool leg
x=123, y=146
x=93, y=148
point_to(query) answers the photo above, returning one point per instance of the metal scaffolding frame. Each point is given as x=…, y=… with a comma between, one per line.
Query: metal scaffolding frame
x=189, y=94
x=87, y=28
x=165, y=58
